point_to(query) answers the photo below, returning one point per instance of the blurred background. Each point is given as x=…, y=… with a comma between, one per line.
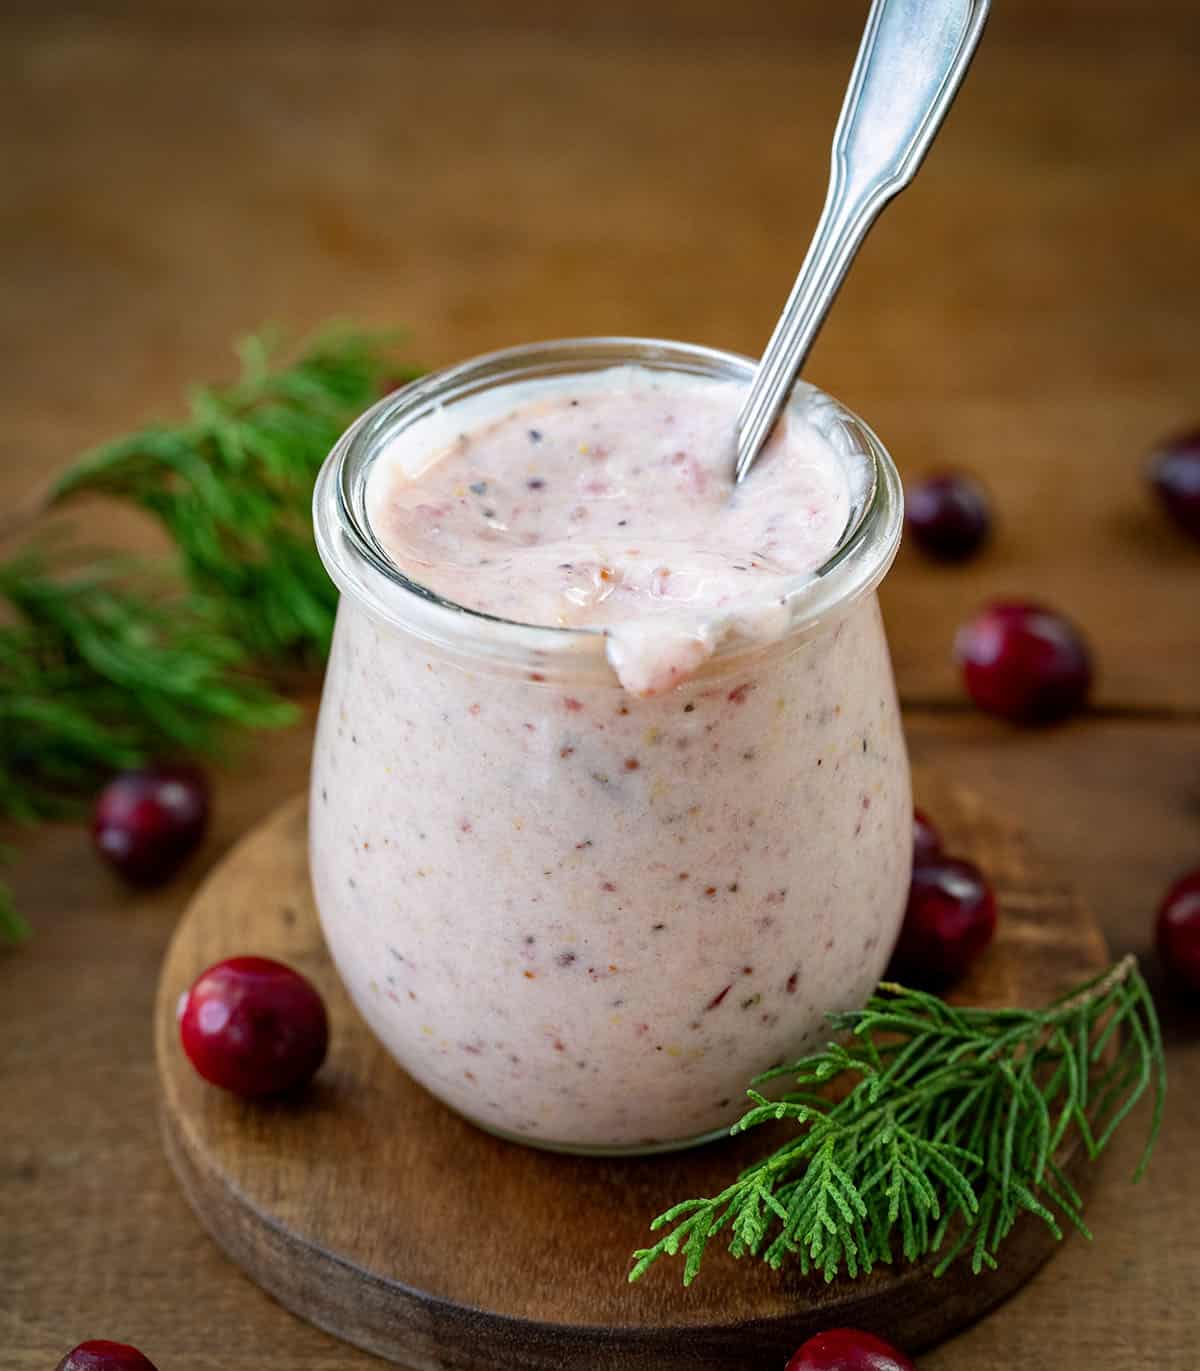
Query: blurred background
x=174, y=175
x=484, y=174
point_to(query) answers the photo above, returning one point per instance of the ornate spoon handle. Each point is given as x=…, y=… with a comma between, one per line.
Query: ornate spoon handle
x=913, y=57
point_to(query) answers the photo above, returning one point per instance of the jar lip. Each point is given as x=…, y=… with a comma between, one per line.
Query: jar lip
x=360, y=566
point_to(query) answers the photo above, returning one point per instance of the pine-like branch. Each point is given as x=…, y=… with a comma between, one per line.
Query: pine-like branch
x=104, y=665
x=232, y=485
x=953, y=1129
x=13, y=928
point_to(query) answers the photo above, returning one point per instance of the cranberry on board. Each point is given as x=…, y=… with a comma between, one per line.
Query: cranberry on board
x=147, y=822
x=253, y=1026
x=848, y=1349
x=948, y=516
x=1024, y=662
x=949, y=921
x=1179, y=931
x=1175, y=476
x=99, y=1355
x=927, y=841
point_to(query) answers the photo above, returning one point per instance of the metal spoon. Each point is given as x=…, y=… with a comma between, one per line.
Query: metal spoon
x=913, y=58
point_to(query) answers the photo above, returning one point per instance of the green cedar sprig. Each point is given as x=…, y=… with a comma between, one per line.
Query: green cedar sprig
x=105, y=664
x=232, y=485
x=103, y=667
x=954, y=1127
x=13, y=928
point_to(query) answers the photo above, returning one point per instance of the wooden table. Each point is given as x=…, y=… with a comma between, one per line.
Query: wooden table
x=490, y=174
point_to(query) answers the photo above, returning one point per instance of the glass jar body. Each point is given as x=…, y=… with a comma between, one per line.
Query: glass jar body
x=586, y=920
x=583, y=919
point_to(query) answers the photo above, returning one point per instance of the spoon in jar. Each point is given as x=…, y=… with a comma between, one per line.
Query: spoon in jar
x=913, y=58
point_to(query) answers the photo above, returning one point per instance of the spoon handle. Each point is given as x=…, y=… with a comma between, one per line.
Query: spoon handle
x=913, y=58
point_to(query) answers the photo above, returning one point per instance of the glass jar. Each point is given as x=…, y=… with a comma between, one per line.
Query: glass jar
x=585, y=920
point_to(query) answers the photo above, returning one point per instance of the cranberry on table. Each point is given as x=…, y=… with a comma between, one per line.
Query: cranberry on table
x=927, y=841
x=1179, y=931
x=1175, y=476
x=948, y=516
x=99, y=1355
x=147, y=822
x=1024, y=662
x=949, y=921
x=848, y=1349
x=253, y=1026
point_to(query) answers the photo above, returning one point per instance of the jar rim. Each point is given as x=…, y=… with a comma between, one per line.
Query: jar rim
x=362, y=569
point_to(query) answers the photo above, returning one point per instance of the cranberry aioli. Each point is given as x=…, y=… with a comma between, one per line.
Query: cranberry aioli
x=610, y=504
x=585, y=911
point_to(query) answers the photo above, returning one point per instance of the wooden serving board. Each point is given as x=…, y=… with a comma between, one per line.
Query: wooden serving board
x=370, y=1209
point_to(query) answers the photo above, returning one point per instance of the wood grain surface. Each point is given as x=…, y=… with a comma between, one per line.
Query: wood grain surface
x=1029, y=309
x=95, y=1235
x=485, y=174
x=372, y=1210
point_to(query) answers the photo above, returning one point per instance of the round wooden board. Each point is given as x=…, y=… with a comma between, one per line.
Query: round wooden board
x=370, y=1209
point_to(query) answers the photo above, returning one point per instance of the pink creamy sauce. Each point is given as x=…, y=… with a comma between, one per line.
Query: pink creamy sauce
x=609, y=504
x=586, y=916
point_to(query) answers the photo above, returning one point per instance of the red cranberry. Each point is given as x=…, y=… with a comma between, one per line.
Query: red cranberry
x=848, y=1349
x=253, y=1026
x=99, y=1355
x=147, y=822
x=1024, y=662
x=948, y=516
x=950, y=919
x=1175, y=476
x=927, y=841
x=1179, y=931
